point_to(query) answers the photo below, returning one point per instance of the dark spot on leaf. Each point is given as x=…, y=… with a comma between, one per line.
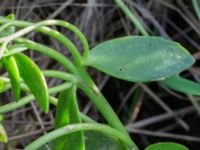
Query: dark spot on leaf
x=120, y=69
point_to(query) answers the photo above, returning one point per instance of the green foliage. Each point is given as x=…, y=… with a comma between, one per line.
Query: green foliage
x=67, y=112
x=140, y=58
x=182, y=85
x=94, y=140
x=133, y=58
x=1, y=84
x=3, y=135
x=34, y=79
x=166, y=146
x=8, y=30
x=12, y=68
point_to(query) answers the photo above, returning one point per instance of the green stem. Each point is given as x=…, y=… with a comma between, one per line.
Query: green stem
x=3, y=27
x=85, y=83
x=30, y=98
x=60, y=37
x=78, y=127
x=131, y=16
x=194, y=103
x=14, y=50
x=47, y=51
x=89, y=88
x=53, y=100
x=28, y=29
x=60, y=75
x=196, y=6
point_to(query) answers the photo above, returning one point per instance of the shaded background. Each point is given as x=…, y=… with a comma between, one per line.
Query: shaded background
x=150, y=113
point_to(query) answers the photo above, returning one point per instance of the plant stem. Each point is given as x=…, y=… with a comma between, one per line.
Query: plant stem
x=89, y=88
x=64, y=40
x=14, y=50
x=78, y=127
x=196, y=6
x=131, y=16
x=60, y=75
x=48, y=51
x=85, y=82
x=28, y=99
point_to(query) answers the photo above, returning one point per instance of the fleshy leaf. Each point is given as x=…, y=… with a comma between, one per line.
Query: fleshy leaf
x=34, y=79
x=67, y=112
x=12, y=68
x=166, y=146
x=140, y=58
x=3, y=135
x=180, y=84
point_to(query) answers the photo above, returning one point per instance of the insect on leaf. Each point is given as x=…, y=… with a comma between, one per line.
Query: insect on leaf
x=34, y=79
x=180, y=84
x=166, y=146
x=140, y=58
x=67, y=112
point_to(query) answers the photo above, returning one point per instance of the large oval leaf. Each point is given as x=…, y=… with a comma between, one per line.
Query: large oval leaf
x=166, y=146
x=12, y=68
x=182, y=85
x=67, y=112
x=34, y=79
x=140, y=58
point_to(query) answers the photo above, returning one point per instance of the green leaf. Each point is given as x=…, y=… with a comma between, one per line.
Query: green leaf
x=1, y=117
x=98, y=141
x=180, y=84
x=12, y=68
x=3, y=135
x=140, y=58
x=1, y=84
x=67, y=112
x=166, y=146
x=34, y=79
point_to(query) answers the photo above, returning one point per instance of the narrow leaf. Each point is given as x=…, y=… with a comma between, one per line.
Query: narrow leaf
x=140, y=58
x=1, y=84
x=166, y=146
x=67, y=112
x=180, y=84
x=12, y=68
x=34, y=79
x=3, y=135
